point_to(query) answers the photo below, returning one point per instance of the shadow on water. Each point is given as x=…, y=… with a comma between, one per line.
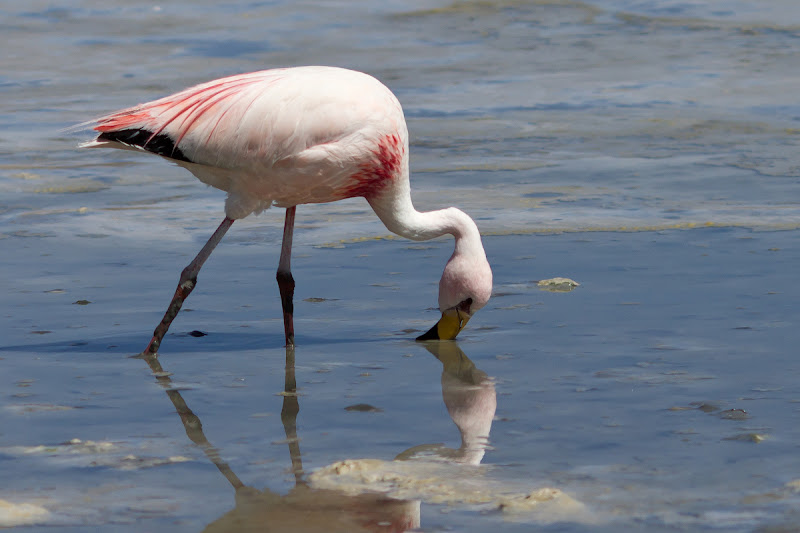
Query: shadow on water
x=469, y=396
x=214, y=341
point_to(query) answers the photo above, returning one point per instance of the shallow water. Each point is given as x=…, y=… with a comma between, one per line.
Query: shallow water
x=645, y=149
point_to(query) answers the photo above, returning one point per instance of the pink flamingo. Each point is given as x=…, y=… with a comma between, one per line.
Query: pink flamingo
x=294, y=136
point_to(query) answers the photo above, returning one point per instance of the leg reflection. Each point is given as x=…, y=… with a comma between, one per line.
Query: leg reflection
x=303, y=508
x=191, y=423
x=289, y=411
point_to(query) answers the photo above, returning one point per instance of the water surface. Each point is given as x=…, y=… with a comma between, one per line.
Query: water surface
x=645, y=149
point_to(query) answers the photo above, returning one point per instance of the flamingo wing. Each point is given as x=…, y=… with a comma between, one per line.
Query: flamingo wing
x=299, y=135
x=199, y=112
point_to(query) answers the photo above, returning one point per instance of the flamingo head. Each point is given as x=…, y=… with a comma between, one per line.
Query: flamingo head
x=465, y=287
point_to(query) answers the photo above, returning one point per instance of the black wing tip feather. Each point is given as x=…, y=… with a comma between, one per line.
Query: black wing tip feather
x=160, y=144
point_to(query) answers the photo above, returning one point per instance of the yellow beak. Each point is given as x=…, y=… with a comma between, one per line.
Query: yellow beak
x=452, y=322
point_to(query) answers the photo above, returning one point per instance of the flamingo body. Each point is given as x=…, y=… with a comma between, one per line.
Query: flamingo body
x=277, y=137
x=294, y=136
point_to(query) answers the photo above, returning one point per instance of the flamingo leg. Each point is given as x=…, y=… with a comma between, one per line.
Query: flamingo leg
x=284, y=276
x=186, y=284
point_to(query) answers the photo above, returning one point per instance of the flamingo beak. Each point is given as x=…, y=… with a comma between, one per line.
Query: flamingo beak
x=448, y=327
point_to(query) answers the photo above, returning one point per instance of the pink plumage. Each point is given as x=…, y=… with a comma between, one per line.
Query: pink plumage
x=294, y=136
x=282, y=137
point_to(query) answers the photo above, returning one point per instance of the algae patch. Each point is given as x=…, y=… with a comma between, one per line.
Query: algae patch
x=448, y=484
x=557, y=284
x=88, y=453
x=21, y=514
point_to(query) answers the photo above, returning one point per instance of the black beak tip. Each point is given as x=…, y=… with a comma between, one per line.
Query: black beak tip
x=431, y=335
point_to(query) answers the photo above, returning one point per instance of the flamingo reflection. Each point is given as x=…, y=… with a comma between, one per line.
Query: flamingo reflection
x=469, y=396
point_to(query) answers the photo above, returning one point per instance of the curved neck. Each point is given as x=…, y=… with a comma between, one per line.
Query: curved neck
x=399, y=216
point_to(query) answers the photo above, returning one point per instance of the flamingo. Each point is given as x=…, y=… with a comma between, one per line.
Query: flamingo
x=291, y=136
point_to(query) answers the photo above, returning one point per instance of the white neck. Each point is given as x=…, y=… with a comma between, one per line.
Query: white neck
x=397, y=213
x=467, y=275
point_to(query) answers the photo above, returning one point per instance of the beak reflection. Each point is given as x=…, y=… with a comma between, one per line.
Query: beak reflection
x=471, y=401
